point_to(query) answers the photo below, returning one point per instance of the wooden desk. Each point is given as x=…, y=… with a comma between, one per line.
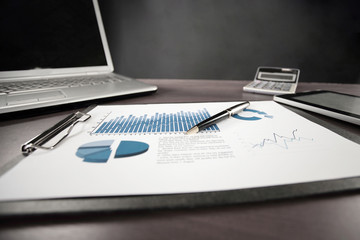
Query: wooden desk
x=330, y=216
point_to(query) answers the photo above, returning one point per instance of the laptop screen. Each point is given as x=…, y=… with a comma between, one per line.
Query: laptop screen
x=43, y=34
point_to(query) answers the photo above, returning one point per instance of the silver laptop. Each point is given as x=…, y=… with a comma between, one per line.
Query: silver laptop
x=55, y=52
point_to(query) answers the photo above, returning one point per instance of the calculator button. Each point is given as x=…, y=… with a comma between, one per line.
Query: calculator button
x=286, y=87
x=271, y=85
x=261, y=85
x=253, y=84
x=278, y=86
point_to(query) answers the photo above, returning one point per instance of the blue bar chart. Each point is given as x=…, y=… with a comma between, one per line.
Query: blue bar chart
x=178, y=122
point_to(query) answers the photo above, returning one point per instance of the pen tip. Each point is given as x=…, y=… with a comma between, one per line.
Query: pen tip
x=192, y=130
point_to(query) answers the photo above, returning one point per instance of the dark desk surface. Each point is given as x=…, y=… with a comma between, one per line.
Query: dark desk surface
x=330, y=216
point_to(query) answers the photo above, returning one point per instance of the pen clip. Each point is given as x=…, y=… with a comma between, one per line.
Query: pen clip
x=68, y=122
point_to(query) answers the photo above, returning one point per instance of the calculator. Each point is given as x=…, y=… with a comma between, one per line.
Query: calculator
x=274, y=81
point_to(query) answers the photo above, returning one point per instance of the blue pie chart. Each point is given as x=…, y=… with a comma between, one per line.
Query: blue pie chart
x=254, y=116
x=100, y=151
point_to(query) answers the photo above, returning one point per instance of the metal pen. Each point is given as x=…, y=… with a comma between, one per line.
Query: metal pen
x=218, y=117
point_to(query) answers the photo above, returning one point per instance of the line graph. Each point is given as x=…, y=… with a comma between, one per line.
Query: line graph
x=282, y=141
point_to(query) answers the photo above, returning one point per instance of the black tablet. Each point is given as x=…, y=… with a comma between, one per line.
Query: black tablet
x=333, y=104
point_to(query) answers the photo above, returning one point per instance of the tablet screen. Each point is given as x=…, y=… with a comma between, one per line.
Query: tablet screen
x=340, y=102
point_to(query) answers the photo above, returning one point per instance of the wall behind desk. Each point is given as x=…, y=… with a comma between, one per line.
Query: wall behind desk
x=229, y=39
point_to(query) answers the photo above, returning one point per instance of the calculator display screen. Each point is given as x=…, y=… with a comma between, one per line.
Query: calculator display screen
x=283, y=77
x=277, y=76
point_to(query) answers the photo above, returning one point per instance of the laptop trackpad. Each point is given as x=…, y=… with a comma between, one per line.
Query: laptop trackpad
x=18, y=99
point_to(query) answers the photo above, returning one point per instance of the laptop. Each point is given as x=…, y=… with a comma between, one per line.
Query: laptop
x=55, y=52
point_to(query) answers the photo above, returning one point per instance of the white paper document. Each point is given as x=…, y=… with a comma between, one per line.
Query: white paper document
x=143, y=149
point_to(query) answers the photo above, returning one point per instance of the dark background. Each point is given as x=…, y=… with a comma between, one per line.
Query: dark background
x=229, y=39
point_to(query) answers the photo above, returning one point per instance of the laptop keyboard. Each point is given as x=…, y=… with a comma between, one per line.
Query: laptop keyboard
x=15, y=87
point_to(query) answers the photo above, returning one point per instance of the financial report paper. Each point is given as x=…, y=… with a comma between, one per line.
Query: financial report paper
x=143, y=149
